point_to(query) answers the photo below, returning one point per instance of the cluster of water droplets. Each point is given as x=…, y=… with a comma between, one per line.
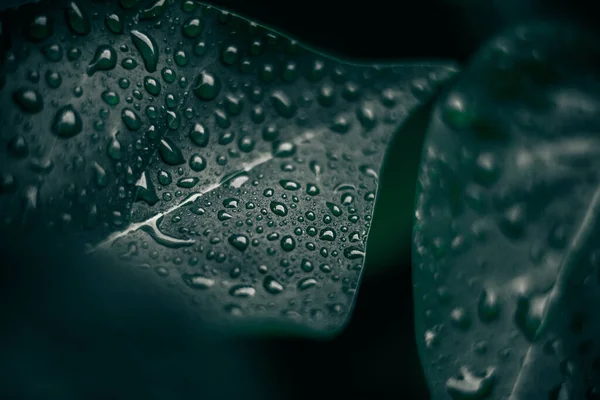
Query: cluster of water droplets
x=229, y=159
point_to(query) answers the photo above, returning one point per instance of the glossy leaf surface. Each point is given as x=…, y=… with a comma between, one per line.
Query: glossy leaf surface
x=234, y=164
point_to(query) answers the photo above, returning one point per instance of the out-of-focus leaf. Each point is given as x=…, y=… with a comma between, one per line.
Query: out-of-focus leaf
x=253, y=161
x=505, y=266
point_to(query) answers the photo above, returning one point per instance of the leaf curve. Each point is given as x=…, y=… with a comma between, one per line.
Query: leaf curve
x=506, y=222
x=252, y=159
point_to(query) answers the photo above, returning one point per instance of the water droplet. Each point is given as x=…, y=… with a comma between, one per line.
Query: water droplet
x=366, y=116
x=239, y=241
x=460, y=318
x=197, y=163
x=206, y=86
x=148, y=49
x=18, y=146
x=152, y=85
x=312, y=190
x=114, y=148
x=199, y=135
x=104, y=59
x=40, y=28
x=283, y=104
x=353, y=253
x=528, y=315
x=242, y=291
x=306, y=265
x=192, y=27
x=327, y=234
x=282, y=149
x=288, y=184
x=169, y=152
x=231, y=202
x=307, y=283
x=131, y=119
x=29, y=100
x=67, y=122
x=335, y=210
x=487, y=169
x=53, y=79
x=164, y=178
x=288, y=243
x=278, y=208
x=114, y=23
x=513, y=221
x=78, y=20
x=196, y=281
x=145, y=190
x=188, y=183
x=271, y=285
x=341, y=124
x=155, y=10
x=111, y=98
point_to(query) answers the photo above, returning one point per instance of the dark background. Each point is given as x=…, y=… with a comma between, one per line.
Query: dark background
x=147, y=349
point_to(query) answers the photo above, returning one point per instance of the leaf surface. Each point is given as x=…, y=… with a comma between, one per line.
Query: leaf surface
x=505, y=265
x=237, y=165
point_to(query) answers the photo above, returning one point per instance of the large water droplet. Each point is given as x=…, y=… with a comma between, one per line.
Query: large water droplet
x=28, y=100
x=242, y=291
x=271, y=285
x=196, y=281
x=67, y=122
x=239, y=241
x=192, y=27
x=206, y=86
x=288, y=243
x=279, y=208
x=39, y=28
x=104, y=59
x=170, y=153
x=79, y=22
x=283, y=104
x=148, y=49
x=132, y=121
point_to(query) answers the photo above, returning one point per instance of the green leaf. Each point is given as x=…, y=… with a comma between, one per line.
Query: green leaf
x=233, y=163
x=505, y=265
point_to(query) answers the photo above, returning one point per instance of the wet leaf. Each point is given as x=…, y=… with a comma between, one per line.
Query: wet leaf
x=505, y=266
x=236, y=165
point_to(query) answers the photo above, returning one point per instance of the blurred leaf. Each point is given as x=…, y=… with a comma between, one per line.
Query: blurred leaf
x=505, y=266
x=239, y=167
